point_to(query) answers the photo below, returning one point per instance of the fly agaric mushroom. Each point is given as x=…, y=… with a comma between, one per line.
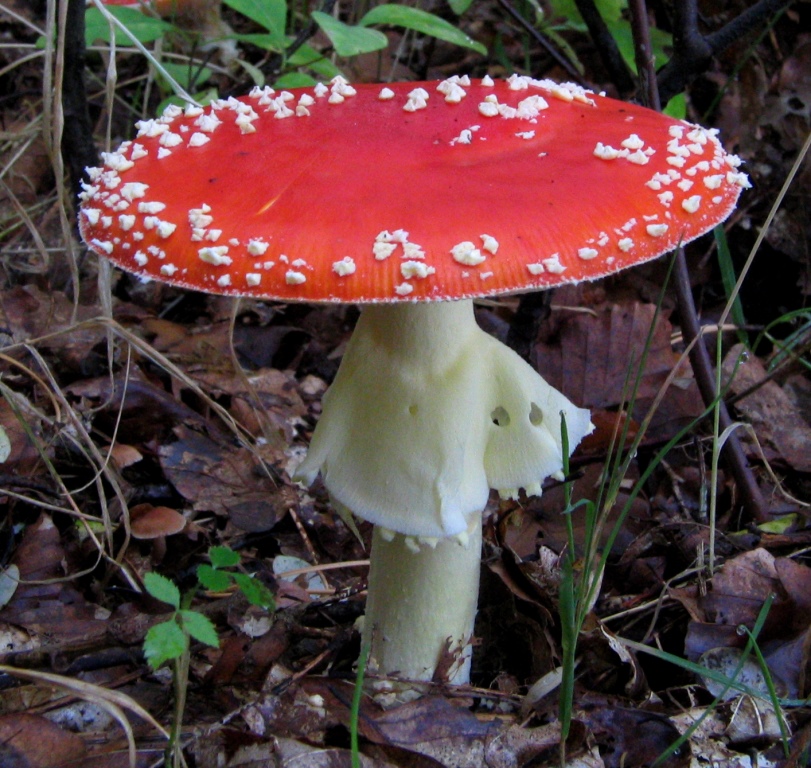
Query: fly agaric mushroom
x=413, y=199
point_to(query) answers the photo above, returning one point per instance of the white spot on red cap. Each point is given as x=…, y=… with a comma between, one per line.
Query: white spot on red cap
x=691, y=204
x=152, y=207
x=216, y=255
x=489, y=244
x=404, y=289
x=420, y=269
x=102, y=245
x=714, y=181
x=197, y=139
x=92, y=215
x=467, y=253
x=292, y=277
x=133, y=190
x=552, y=264
x=344, y=267
x=257, y=246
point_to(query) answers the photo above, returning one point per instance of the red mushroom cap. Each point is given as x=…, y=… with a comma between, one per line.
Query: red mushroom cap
x=415, y=191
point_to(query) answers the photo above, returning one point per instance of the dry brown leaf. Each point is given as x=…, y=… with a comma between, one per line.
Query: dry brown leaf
x=597, y=354
x=223, y=479
x=43, y=744
x=771, y=411
x=54, y=610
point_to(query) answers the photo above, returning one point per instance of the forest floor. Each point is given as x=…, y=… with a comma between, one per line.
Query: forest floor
x=120, y=396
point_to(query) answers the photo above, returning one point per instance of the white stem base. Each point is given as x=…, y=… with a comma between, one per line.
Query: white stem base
x=421, y=606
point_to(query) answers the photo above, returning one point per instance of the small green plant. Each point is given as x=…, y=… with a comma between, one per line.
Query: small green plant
x=171, y=639
x=281, y=35
x=216, y=579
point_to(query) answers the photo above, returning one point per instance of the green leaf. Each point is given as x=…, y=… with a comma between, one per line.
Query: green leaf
x=347, y=40
x=270, y=14
x=162, y=589
x=223, y=557
x=267, y=42
x=253, y=71
x=623, y=34
x=677, y=107
x=187, y=76
x=200, y=628
x=420, y=21
x=5, y=445
x=610, y=10
x=164, y=642
x=294, y=80
x=255, y=591
x=307, y=56
x=459, y=6
x=729, y=277
x=144, y=28
x=211, y=578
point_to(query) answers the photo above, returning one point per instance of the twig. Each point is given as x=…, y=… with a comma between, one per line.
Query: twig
x=533, y=309
x=606, y=46
x=647, y=91
x=692, y=51
x=539, y=38
x=751, y=496
x=275, y=63
x=78, y=147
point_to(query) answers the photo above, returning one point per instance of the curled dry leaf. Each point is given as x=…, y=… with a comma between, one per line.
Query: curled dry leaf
x=771, y=411
x=43, y=744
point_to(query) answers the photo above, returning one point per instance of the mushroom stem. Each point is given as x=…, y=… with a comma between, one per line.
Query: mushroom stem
x=422, y=604
x=426, y=414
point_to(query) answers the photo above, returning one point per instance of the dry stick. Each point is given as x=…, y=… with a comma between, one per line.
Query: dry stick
x=274, y=64
x=751, y=496
x=78, y=147
x=607, y=47
x=705, y=378
x=647, y=91
x=539, y=38
x=693, y=51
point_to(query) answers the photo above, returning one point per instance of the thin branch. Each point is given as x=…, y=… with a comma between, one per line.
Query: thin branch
x=276, y=62
x=606, y=46
x=692, y=51
x=647, y=91
x=745, y=481
x=78, y=148
x=539, y=38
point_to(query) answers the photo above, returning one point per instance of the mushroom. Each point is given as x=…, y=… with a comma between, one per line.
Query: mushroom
x=412, y=199
x=154, y=524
